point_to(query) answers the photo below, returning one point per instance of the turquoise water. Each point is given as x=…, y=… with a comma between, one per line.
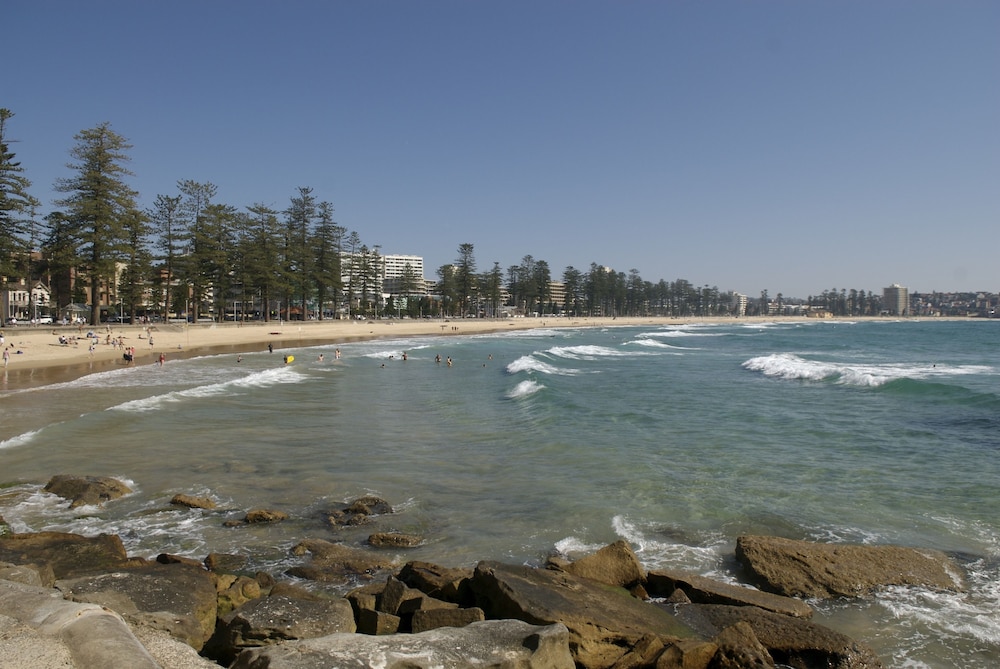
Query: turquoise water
x=678, y=439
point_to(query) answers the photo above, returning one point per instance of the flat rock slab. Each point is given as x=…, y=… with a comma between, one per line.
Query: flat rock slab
x=703, y=590
x=67, y=554
x=806, y=569
x=603, y=620
x=494, y=644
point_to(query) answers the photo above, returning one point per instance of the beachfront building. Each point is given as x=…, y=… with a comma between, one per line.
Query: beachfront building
x=24, y=302
x=740, y=302
x=896, y=300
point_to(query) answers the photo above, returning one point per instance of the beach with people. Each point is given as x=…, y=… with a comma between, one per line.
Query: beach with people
x=41, y=355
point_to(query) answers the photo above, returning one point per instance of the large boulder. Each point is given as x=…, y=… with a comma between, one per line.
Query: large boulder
x=175, y=598
x=67, y=555
x=615, y=564
x=604, y=621
x=447, y=583
x=789, y=641
x=808, y=569
x=280, y=618
x=703, y=590
x=86, y=490
x=493, y=644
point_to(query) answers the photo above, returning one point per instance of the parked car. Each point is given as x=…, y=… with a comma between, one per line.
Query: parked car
x=44, y=320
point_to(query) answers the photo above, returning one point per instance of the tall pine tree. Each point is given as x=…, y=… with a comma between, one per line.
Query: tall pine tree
x=99, y=207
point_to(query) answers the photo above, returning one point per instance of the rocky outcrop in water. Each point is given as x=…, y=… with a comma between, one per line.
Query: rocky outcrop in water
x=808, y=569
x=86, y=490
x=602, y=611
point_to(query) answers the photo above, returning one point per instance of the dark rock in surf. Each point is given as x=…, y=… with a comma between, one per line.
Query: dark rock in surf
x=336, y=563
x=394, y=540
x=86, y=490
x=192, y=502
x=807, y=569
x=258, y=516
x=360, y=511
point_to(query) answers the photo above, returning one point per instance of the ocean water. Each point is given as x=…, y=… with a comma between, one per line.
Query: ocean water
x=677, y=438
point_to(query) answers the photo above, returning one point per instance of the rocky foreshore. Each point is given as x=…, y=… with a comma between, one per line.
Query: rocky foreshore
x=73, y=601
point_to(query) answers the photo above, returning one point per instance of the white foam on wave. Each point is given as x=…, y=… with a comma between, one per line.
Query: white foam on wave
x=19, y=440
x=968, y=614
x=587, y=352
x=524, y=389
x=529, y=363
x=789, y=366
x=652, y=343
x=672, y=333
x=656, y=554
x=262, y=379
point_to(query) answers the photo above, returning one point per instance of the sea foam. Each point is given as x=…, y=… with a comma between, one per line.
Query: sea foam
x=263, y=379
x=524, y=389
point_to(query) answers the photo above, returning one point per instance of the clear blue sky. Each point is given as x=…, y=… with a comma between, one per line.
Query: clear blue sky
x=782, y=145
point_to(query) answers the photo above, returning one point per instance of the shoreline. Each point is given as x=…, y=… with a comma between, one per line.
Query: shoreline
x=38, y=359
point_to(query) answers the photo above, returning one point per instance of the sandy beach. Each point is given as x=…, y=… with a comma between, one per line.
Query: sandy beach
x=39, y=357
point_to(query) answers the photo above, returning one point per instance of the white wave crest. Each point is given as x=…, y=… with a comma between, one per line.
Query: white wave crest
x=791, y=367
x=528, y=363
x=654, y=554
x=586, y=352
x=652, y=343
x=524, y=389
x=263, y=379
x=19, y=440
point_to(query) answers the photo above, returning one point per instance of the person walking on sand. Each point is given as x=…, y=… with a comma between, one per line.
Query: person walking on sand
x=6, y=357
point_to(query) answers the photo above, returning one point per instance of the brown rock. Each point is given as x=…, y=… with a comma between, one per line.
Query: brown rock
x=335, y=563
x=175, y=598
x=67, y=555
x=739, y=648
x=360, y=511
x=447, y=583
x=265, y=516
x=707, y=591
x=687, y=654
x=789, y=641
x=375, y=622
x=807, y=569
x=603, y=621
x=615, y=564
x=394, y=540
x=86, y=490
x=429, y=619
x=192, y=502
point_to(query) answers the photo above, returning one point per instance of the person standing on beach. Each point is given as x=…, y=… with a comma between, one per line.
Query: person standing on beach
x=163, y=358
x=270, y=348
x=6, y=357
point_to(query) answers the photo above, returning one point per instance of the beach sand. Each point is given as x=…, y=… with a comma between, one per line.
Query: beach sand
x=38, y=358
